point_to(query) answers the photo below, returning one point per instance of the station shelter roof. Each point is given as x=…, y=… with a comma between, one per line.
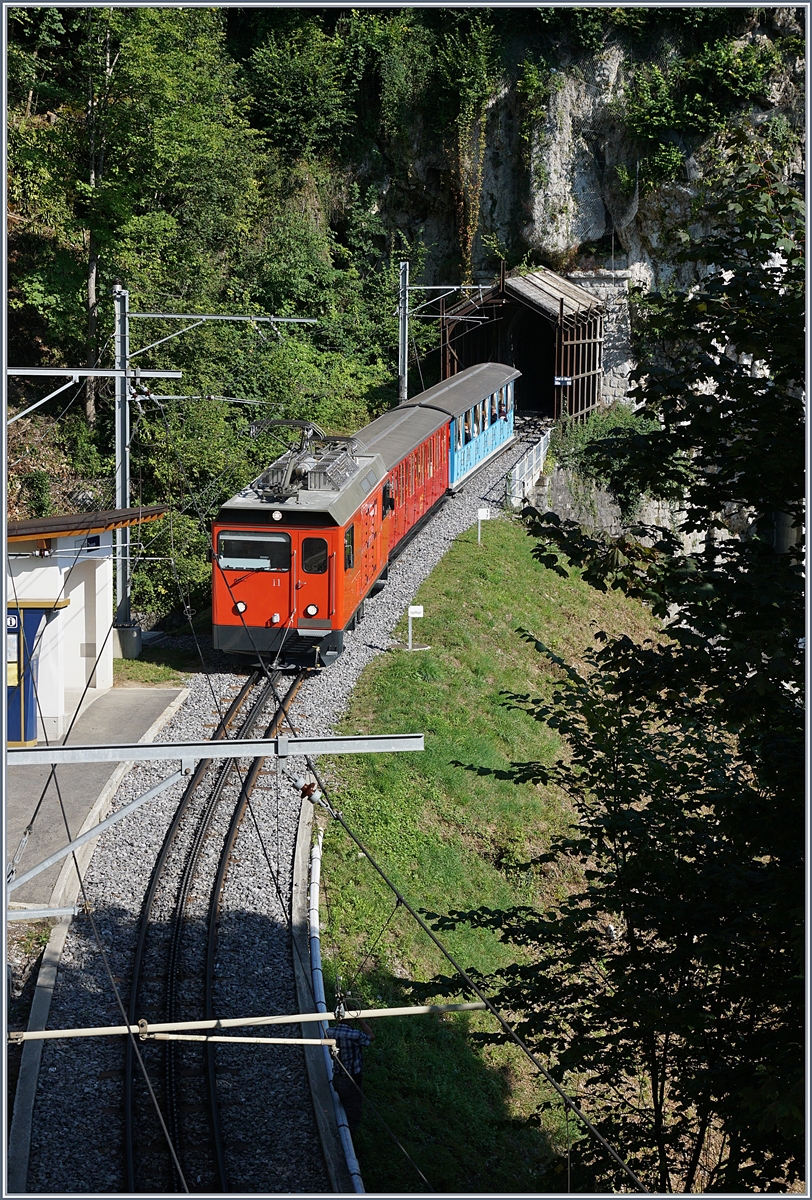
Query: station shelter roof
x=79, y=524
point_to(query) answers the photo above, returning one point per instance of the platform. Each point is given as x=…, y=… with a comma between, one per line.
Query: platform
x=120, y=715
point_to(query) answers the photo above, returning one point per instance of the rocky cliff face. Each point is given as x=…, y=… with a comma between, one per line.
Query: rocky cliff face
x=556, y=188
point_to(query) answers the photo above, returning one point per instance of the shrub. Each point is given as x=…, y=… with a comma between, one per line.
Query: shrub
x=38, y=487
x=575, y=445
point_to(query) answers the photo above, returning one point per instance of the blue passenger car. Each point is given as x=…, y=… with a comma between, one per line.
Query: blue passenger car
x=481, y=429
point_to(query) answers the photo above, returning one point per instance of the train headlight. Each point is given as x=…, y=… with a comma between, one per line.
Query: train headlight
x=311, y=610
x=241, y=606
x=276, y=514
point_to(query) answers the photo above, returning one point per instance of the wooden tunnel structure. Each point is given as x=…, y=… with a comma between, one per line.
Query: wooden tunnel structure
x=542, y=324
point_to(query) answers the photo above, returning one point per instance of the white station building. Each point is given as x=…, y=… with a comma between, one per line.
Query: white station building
x=60, y=597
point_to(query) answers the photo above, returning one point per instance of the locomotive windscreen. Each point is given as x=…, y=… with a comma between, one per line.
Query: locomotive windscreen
x=254, y=551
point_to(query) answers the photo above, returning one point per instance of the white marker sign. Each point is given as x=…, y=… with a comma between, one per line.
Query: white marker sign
x=415, y=610
x=482, y=514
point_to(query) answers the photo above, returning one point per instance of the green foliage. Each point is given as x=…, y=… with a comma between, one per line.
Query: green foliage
x=696, y=95
x=572, y=442
x=649, y=981
x=299, y=89
x=662, y=165
x=82, y=445
x=35, y=37
x=535, y=85
x=395, y=54
x=468, y=65
x=38, y=486
x=588, y=28
x=537, y=82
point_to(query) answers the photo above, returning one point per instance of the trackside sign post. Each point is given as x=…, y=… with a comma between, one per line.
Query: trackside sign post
x=415, y=610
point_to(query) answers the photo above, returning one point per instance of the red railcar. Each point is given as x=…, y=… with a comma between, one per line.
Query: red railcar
x=297, y=551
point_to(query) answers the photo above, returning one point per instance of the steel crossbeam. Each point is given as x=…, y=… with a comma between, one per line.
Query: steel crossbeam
x=187, y=752
x=145, y=1031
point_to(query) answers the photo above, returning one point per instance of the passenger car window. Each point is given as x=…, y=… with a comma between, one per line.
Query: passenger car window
x=349, y=548
x=253, y=551
x=494, y=408
x=314, y=555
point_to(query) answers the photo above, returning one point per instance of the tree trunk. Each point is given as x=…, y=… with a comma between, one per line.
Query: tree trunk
x=92, y=326
x=731, y=1177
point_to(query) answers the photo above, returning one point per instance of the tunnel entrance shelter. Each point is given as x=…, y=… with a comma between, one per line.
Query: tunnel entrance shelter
x=543, y=325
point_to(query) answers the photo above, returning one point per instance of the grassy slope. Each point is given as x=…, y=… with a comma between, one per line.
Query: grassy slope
x=447, y=838
x=158, y=666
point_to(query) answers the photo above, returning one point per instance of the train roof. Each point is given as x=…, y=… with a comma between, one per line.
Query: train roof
x=335, y=484
x=453, y=396
x=256, y=502
x=396, y=432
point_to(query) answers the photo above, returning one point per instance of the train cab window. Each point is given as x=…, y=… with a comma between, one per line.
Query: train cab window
x=349, y=548
x=314, y=555
x=388, y=497
x=253, y=551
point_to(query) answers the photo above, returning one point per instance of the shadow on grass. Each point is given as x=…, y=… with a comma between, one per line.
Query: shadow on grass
x=446, y=1105
x=179, y=656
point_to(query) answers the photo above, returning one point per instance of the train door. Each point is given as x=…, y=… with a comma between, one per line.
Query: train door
x=314, y=571
x=370, y=544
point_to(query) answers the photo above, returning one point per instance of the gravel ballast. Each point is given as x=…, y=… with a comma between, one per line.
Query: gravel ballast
x=271, y=1138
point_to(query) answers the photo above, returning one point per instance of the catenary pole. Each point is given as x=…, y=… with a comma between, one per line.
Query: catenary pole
x=403, y=334
x=121, y=299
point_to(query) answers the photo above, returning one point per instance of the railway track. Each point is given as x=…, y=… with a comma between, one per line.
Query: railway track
x=269, y=1138
x=175, y=961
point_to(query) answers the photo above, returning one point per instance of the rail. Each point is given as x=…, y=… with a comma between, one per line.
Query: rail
x=522, y=477
x=321, y=1005
x=177, y=924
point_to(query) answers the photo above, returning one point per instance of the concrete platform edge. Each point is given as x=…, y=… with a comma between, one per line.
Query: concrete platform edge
x=66, y=891
x=19, y=1138
x=333, y=1152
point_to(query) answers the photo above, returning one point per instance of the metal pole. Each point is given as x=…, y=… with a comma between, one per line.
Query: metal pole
x=403, y=334
x=122, y=339
x=410, y=631
x=144, y=1030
